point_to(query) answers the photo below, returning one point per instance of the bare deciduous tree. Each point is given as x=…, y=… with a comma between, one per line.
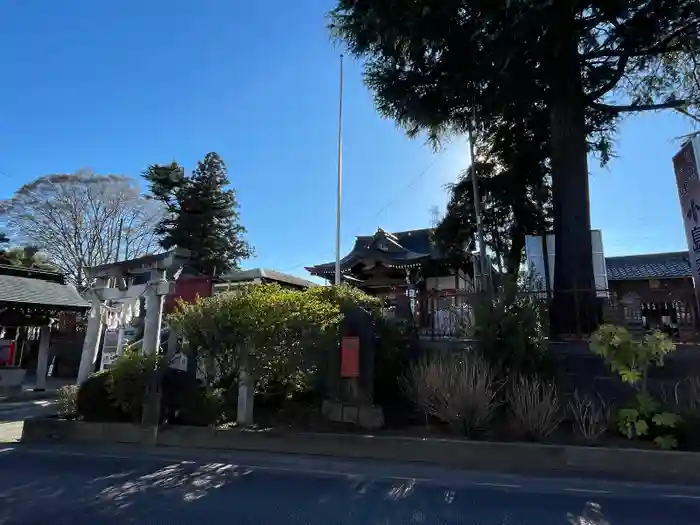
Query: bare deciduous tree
x=83, y=219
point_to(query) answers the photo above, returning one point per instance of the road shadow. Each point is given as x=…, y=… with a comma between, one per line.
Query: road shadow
x=82, y=489
x=23, y=410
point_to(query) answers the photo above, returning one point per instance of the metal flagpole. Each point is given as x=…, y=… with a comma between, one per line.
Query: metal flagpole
x=340, y=177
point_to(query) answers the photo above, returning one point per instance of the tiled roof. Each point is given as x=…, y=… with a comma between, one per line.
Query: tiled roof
x=407, y=247
x=271, y=275
x=670, y=265
x=28, y=291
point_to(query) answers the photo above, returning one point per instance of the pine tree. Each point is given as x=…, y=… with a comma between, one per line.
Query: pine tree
x=201, y=214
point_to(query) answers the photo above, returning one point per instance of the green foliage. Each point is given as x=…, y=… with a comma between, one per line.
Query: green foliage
x=130, y=375
x=94, y=401
x=628, y=357
x=514, y=187
x=277, y=329
x=344, y=296
x=631, y=359
x=646, y=419
x=202, y=407
x=202, y=215
x=666, y=419
x=25, y=257
x=510, y=330
x=395, y=345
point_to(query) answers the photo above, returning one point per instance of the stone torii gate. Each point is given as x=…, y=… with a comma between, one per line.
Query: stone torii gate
x=118, y=286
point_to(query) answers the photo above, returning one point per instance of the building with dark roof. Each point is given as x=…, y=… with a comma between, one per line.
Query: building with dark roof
x=652, y=277
x=406, y=270
x=385, y=264
x=35, y=291
x=261, y=276
x=654, y=289
x=658, y=266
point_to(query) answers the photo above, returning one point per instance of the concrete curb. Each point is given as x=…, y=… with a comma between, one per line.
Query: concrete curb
x=634, y=464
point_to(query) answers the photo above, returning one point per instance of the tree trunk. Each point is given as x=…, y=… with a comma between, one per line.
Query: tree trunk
x=515, y=254
x=575, y=306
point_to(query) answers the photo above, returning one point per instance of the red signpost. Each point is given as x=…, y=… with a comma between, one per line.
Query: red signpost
x=7, y=352
x=350, y=357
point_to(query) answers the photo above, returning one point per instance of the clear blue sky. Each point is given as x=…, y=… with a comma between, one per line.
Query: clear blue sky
x=115, y=86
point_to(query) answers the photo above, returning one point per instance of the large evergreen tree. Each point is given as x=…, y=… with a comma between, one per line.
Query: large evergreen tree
x=202, y=214
x=431, y=63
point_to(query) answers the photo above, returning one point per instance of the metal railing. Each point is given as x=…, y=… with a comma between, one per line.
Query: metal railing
x=566, y=314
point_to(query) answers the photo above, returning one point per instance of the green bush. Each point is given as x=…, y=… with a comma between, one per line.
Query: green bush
x=130, y=375
x=94, y=401
x=510, y=329
x=202, y=408
x=395, y=345
x=631, y=360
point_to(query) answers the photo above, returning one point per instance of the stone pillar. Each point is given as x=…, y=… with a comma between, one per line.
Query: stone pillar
x=120, y=341
x=155, y=299
x=43, y=359
x=246, y=391
x=91, y=343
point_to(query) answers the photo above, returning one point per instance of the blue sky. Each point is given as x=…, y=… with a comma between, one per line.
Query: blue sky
x=115, y=86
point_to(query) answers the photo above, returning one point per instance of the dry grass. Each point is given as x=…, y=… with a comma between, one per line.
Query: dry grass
x=535, y=407
x=458, y=389
x=684, y=397
x=591, y=417
x=67, y=400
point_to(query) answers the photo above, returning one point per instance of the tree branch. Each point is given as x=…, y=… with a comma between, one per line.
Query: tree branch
x=675, y=104
x=619, y=72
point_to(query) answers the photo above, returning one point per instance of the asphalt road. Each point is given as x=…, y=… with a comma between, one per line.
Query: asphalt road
x=21, y=410
x=118, y=485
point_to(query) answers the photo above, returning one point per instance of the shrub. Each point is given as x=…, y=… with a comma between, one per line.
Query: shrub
x=394, y=347
x=67, y=401
x=534, y=407
x=130, y=375
x=591, y=418
x=459, y=390
x=645, y=418
x=94, y=401
x=274, y=329
x=510, y=329
x=631, y=360
x=203, y=408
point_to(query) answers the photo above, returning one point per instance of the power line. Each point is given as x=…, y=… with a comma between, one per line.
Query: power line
x=391, y=202
x=411, y=182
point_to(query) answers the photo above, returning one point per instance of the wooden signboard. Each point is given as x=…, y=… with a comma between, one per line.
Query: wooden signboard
x=350, y=357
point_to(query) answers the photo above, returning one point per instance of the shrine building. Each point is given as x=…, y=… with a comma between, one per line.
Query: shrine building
x=402, y=264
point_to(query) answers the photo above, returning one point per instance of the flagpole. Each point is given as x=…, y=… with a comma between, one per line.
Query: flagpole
x=340, y=177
